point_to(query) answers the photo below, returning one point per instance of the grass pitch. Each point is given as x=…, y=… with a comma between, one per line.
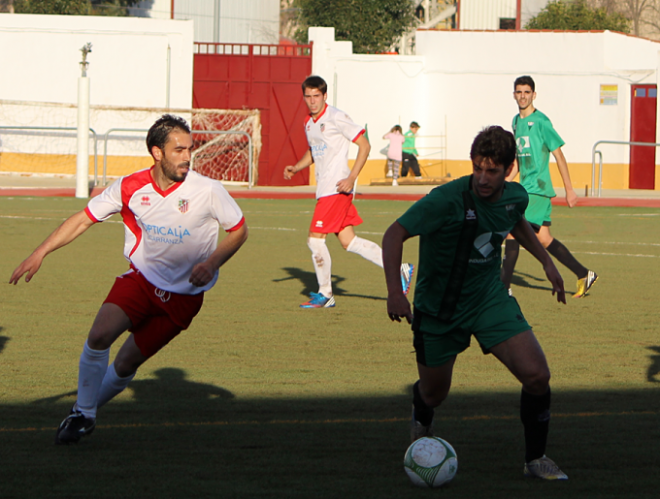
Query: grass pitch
x=262, y=399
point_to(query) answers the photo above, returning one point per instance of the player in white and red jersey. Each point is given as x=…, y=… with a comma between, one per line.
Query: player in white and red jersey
x=329, y=134
x=171, y=219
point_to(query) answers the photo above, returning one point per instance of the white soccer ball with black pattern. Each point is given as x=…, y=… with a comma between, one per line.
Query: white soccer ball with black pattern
x=430, y=462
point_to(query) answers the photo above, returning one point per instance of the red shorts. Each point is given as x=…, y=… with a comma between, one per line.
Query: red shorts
x=334, y=213
x=156, y=316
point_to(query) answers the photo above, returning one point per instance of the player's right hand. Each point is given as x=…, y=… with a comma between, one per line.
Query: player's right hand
x=30, y=265
x=289, y=172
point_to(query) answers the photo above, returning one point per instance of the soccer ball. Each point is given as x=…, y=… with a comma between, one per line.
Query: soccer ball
x=430, y=462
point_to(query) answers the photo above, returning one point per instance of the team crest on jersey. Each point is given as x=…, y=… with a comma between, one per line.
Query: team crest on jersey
x=322, y=127
x=145, y=201
x=183, y=205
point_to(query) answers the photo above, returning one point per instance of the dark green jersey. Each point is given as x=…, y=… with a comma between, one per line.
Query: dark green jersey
x=536, y=139
x=438, y=220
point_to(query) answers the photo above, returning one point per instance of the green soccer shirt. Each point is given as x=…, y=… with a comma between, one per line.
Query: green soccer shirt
x=536, y=139
x=409, y=143
x=438, y=220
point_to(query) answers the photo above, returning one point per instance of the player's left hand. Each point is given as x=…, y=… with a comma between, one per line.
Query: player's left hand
x=571, y=198
x=398, y=307
x=201, y=274
x=557, y=282
x=345, y=185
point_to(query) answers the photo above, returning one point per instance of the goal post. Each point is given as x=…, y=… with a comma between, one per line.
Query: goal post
x=39, y=138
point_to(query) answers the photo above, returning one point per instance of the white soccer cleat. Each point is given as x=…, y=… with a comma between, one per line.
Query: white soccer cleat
x=544, y=468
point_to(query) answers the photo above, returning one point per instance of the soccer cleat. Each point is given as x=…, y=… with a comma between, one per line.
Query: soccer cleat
x=407, y=271
x=418, y=430
x=584, y=284
x=510, y=292
x=317, y=300
x=73, y=428
x=395, y=183
x=389, y=174
x=544, y=468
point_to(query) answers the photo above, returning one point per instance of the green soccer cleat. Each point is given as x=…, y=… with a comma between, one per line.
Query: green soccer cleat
x=584, y=284
x=544, y=468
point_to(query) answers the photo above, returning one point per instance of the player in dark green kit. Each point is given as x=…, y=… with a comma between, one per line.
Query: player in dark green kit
x=461, y=226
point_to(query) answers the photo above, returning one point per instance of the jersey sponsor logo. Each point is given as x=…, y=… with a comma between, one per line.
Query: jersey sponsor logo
x=308, y=127
x=487, y=242
x=167, y=235
x=183, y=205
x=145, y=201
x=522, y=143
x=318, y=150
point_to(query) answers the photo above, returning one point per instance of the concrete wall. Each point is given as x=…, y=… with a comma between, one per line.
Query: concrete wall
x=128, y=65
x=461, y=81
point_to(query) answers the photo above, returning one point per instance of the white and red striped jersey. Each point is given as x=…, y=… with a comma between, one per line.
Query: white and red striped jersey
x=168, y=232
x=329, y=137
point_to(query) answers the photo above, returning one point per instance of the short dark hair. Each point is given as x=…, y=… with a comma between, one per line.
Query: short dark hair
x=414, y=124
x=315, y=82
x=495, y=143
x=160, y=131
x=525, y=80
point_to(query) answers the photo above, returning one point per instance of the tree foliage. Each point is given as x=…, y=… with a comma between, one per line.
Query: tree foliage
x=372, y=25
x=57, y=7
x=577, y=15
x=74, y=7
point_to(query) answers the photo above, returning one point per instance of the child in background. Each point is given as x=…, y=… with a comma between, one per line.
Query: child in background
x=394, y=152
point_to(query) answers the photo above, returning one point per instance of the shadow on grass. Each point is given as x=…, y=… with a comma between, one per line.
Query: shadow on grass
x=180, y=438
x=654, y=368
x=521, y=279
x=310, y=284
x=3, y=340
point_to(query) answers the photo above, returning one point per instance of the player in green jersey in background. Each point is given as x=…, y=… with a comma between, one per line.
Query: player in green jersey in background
x=536, y=139
x=461, y=225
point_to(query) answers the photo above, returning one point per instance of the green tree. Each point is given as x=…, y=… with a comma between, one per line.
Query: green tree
x=372, y=25
x=58, y=7
x=74, y=7
x=577, y=15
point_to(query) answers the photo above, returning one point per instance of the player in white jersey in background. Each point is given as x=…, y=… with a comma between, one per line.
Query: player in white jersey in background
x=171, y=219
x=329, y=133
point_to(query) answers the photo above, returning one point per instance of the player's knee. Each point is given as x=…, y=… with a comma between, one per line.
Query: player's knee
x=126, y=367
x=98, y=339
x=433, y=397
x=538, y=381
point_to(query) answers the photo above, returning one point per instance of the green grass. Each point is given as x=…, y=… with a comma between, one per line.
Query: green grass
x=262, y=399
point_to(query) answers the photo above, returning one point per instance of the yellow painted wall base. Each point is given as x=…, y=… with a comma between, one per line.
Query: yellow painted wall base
x=615, y=176
x=65, y=164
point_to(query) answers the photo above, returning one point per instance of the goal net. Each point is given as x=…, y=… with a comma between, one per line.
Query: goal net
x=40, y=138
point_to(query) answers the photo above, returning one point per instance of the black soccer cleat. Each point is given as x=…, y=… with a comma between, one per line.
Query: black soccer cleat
x=73, y=428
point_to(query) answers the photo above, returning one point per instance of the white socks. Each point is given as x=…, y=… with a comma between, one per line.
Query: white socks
x=322, y=264
x=112, y=385
x=91, y=371
x=366, y=249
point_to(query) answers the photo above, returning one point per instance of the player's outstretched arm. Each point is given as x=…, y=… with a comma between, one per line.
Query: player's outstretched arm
x=305, y=161
x=397, y=304
x=72, y=227
x=346, y=185
x=202, y=273
x=524, y=234
x=571, y=197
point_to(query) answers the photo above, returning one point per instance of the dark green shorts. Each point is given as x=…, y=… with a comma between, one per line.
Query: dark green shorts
x=539, y=210
x=496, y=320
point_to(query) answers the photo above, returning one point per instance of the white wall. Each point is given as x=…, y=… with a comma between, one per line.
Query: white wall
x=40, y=59
x=466, y=78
